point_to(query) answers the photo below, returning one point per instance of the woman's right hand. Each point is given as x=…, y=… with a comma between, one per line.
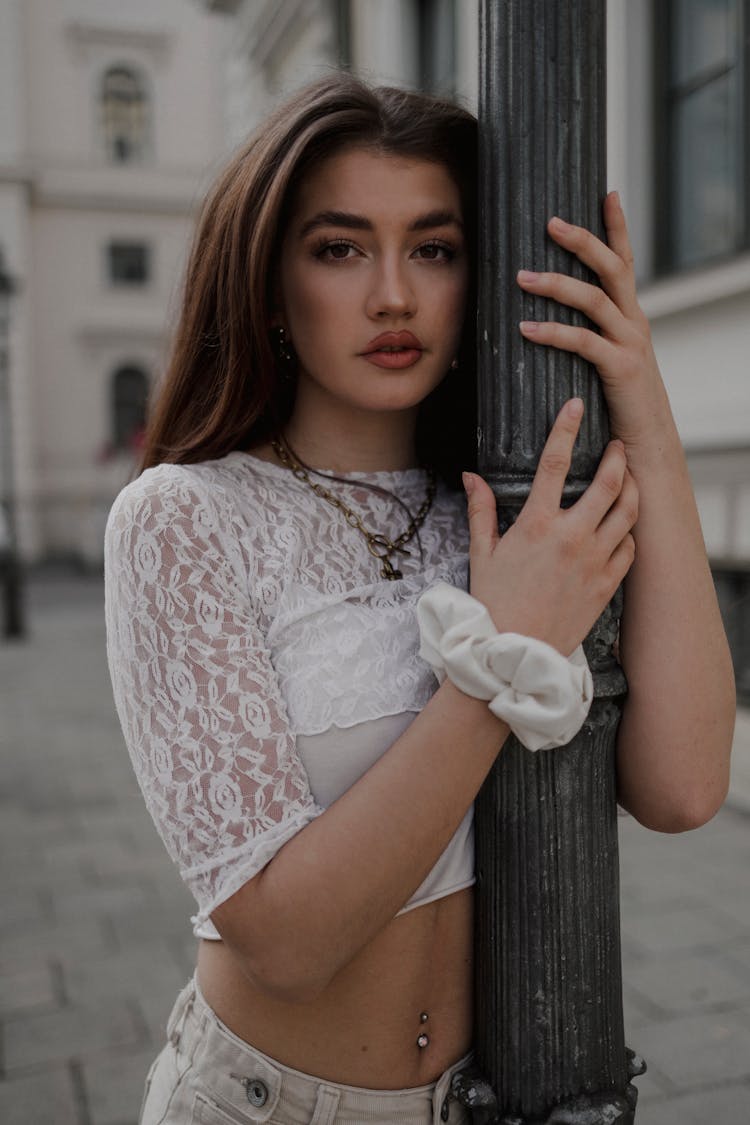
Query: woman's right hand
x=553, y=572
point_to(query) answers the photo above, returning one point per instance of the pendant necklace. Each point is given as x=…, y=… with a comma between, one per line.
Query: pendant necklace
x=378, y=544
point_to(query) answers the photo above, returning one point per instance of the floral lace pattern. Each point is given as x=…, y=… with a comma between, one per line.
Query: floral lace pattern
x=243, y=610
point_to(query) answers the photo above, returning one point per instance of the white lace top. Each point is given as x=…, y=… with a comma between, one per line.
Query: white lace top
x=245, y=620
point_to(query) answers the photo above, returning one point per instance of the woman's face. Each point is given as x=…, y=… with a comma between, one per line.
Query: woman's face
x=374, y=275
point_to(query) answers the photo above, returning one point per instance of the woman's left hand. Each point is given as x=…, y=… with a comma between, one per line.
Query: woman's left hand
x=623, y=353
x=673, y=741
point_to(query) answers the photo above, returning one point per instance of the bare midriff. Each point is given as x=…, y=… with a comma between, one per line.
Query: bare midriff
x=363, y=1030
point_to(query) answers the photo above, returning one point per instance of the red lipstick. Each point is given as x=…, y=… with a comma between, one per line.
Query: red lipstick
x=394, y=350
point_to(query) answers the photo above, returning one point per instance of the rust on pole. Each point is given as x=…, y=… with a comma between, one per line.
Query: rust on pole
x=550, y=1040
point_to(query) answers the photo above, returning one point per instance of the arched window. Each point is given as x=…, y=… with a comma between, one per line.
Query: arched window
x=129, y=399
x=125, y=115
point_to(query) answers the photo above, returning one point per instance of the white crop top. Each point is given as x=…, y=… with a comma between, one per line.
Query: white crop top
x=259, y=662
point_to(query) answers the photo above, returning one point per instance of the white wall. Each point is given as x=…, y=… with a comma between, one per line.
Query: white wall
x=61, y=203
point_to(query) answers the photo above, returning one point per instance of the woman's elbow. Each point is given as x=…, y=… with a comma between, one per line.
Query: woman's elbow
x=283, y=978
x=681, y=810
x=685, y=818
x=273, y=965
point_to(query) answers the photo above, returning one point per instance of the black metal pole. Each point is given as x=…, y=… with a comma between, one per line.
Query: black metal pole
x=10, y=565
x=550, y=1036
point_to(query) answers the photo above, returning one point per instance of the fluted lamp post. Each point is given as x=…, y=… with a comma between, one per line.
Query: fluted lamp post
x=549, y=1034
x=10, y=567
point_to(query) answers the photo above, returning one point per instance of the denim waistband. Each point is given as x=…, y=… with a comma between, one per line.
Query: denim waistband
x=239, y=1077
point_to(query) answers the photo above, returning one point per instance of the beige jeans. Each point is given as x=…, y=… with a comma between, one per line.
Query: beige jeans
x=207, y=1074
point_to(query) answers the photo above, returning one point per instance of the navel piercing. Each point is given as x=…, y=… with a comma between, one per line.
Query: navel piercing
x=423, y=1017
x=423, y=1040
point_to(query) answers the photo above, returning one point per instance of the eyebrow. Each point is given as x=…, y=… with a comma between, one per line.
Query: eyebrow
x=432, y=219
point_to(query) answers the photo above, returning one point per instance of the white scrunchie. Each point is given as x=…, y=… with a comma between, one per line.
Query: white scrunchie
x=543, y=696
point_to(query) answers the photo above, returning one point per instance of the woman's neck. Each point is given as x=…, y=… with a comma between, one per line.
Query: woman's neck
x=354, y=442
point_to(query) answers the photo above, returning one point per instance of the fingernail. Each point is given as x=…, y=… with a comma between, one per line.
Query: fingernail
x=559, y=224
x=575, y=406
x=616, y=197
x=468, y=482
x=528, y=326
x=527, y=275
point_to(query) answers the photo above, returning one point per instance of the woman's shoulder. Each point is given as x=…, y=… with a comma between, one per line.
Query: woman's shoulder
x=179, y=515
x=181, y=488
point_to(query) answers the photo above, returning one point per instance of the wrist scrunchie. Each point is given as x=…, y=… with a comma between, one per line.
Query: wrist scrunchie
x=544, y=697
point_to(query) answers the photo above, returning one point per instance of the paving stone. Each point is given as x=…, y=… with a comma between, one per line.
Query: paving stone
x=688, y=983
x=723, y=1105
x=149, y=976
x=24, y=908
x=667, y=931
x=70, y=1033
x=49, y=1099
x=653, y=1084
x=686, y=929
x=78, y=938
x=30, y=988
x=110, y=900
x=637, y=1009
x=698, y=1049
x=138, y=927
x=114, y=1087
x=185, y=949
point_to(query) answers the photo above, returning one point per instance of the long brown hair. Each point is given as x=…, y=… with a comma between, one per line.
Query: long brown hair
x=222, y=389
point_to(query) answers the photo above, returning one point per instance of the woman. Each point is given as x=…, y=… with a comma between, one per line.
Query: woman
x=307, y=774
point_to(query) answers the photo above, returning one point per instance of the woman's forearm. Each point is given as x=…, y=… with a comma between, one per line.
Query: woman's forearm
x=340, y=880
x=676, y=731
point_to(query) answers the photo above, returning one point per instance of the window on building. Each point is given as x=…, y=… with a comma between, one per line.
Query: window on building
x=342, y=24
x=128, y=263
x=733, y=590
x=703, y=130
x=129, y=400
x=125, y=115
x=437, y=46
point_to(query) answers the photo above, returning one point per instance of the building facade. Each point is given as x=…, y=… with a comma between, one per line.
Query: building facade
x=113, y=119
x=678, y=152
x=110, y=118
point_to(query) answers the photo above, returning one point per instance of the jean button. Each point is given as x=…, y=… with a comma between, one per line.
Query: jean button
x=445, y=1111
x=257, y=1092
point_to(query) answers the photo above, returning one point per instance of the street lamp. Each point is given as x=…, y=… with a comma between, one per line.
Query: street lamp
x=10, y=567
x=550, y=1040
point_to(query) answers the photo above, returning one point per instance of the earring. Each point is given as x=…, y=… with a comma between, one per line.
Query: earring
x=281, y=345
x=454, y=365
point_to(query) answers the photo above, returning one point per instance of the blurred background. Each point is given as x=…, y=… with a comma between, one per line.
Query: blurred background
x=114, y=118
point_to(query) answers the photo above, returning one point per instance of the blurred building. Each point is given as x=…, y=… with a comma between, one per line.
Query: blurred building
x=679, y=153
x=113, y=116
x=110, y=116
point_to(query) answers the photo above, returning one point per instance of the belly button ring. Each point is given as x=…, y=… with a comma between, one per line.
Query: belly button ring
x=423, y=1017
x=423, y=1040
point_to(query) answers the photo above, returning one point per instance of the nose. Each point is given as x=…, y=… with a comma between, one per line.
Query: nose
x=391, y=292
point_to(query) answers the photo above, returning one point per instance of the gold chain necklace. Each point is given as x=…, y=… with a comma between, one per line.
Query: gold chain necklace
x=379, y=545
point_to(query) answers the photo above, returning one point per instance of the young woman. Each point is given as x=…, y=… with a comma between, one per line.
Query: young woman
x=300, y=495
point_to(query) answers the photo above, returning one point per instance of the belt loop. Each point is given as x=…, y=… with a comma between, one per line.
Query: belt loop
x=182, y=1005
x=326, y=1104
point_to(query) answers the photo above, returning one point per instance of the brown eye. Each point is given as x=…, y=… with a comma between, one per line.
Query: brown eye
x=436, y=252
x=334, y=251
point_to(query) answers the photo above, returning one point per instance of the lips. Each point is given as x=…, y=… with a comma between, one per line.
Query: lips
x=393, y=340
x=394, y=350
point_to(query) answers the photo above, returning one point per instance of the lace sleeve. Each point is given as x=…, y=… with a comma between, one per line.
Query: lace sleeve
x=195, y=690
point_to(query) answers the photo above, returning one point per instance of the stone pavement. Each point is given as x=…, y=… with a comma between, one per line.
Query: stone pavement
x=94, y=933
